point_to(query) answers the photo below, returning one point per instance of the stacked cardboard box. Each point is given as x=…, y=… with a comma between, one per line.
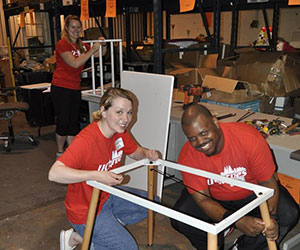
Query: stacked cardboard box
x=196, y=68
x=251, y=75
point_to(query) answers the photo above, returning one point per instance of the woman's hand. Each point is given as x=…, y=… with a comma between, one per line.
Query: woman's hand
x=142, y=153
x=109, y=178
x=152, y=155
x=102, y=43
x=97, y=46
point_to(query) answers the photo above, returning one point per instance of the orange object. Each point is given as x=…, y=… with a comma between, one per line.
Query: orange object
x=84, y=10
x=209, y=18
x=186, y=5
x=31, y=17
x=292, y=184
x=192, y=90
x=111, y=8
x=294, y=2
x=22, y=19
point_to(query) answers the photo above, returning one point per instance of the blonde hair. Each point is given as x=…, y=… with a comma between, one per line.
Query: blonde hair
x=107, y=99
x=65, y=33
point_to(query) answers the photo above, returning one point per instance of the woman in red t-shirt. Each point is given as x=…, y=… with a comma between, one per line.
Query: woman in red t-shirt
x=96, y=150
x=71, y=55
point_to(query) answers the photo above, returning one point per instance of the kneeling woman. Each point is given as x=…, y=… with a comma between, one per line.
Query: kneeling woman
x=93, y=153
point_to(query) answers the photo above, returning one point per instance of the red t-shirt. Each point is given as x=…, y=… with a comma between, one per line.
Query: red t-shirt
x=245, y=156
x=90, y=150
x=66, y=76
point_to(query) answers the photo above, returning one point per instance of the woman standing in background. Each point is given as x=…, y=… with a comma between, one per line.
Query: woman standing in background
x=71, y=56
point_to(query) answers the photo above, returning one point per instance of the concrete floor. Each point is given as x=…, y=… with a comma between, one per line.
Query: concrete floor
x=32, y=210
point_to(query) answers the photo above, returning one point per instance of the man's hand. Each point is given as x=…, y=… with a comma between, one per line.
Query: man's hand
x=250, y=226
x=271, y=232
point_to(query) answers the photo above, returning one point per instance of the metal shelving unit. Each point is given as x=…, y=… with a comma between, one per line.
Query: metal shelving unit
x=126, y=7
x=16, y=8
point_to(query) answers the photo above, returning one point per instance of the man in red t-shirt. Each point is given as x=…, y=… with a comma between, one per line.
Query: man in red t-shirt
x=238, y=151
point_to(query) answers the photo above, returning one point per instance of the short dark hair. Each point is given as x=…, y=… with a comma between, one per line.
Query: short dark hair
x=192, y=112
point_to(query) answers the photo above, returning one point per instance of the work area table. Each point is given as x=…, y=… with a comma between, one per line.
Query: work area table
x=282, y=145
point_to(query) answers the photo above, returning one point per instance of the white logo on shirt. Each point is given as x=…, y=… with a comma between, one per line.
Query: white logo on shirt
x=115, y=158
x=237, y=173
x=76, y=53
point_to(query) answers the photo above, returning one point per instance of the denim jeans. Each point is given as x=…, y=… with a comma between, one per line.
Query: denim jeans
x=109, y=230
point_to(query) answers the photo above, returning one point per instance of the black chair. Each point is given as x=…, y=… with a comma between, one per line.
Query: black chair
x=7, y=112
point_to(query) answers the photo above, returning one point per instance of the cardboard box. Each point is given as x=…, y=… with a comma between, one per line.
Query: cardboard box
x=50, y=64
x=225, y=90
x=188, y=59
x=190, y=75
x=145, y=52
x=291, y=184
x=276, y=73
x=186, y=76
x=94, y=33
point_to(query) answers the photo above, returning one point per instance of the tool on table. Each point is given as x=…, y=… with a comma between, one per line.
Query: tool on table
x=296, y=129
x=225, y=116
x=274, y=127
x=192, y=90
x=293, y=126
x=245, y=115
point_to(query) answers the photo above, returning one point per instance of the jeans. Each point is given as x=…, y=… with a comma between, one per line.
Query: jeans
x=109, y=230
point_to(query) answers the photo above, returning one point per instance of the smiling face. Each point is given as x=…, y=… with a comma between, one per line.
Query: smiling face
x=117, y=117
x=73, y=30
x=205, y=135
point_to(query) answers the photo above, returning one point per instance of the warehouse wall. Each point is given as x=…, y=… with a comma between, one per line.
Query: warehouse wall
x=182, y=26
x=190, y=25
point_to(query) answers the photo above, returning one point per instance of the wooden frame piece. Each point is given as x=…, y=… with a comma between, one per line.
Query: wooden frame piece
x=263, y=194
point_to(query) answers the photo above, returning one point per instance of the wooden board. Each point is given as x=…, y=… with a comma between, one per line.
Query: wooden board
x=154, y=94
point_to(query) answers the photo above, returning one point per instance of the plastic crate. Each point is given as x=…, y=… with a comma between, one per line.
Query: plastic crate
x=252, y=105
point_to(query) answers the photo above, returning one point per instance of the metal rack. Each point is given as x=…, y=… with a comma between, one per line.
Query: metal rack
x=97, y=8
x=15, y=8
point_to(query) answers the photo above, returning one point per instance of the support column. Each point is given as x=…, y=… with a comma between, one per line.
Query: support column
x=275, y=25
x=157, y=49
x=217, y=25
x=234, y=27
